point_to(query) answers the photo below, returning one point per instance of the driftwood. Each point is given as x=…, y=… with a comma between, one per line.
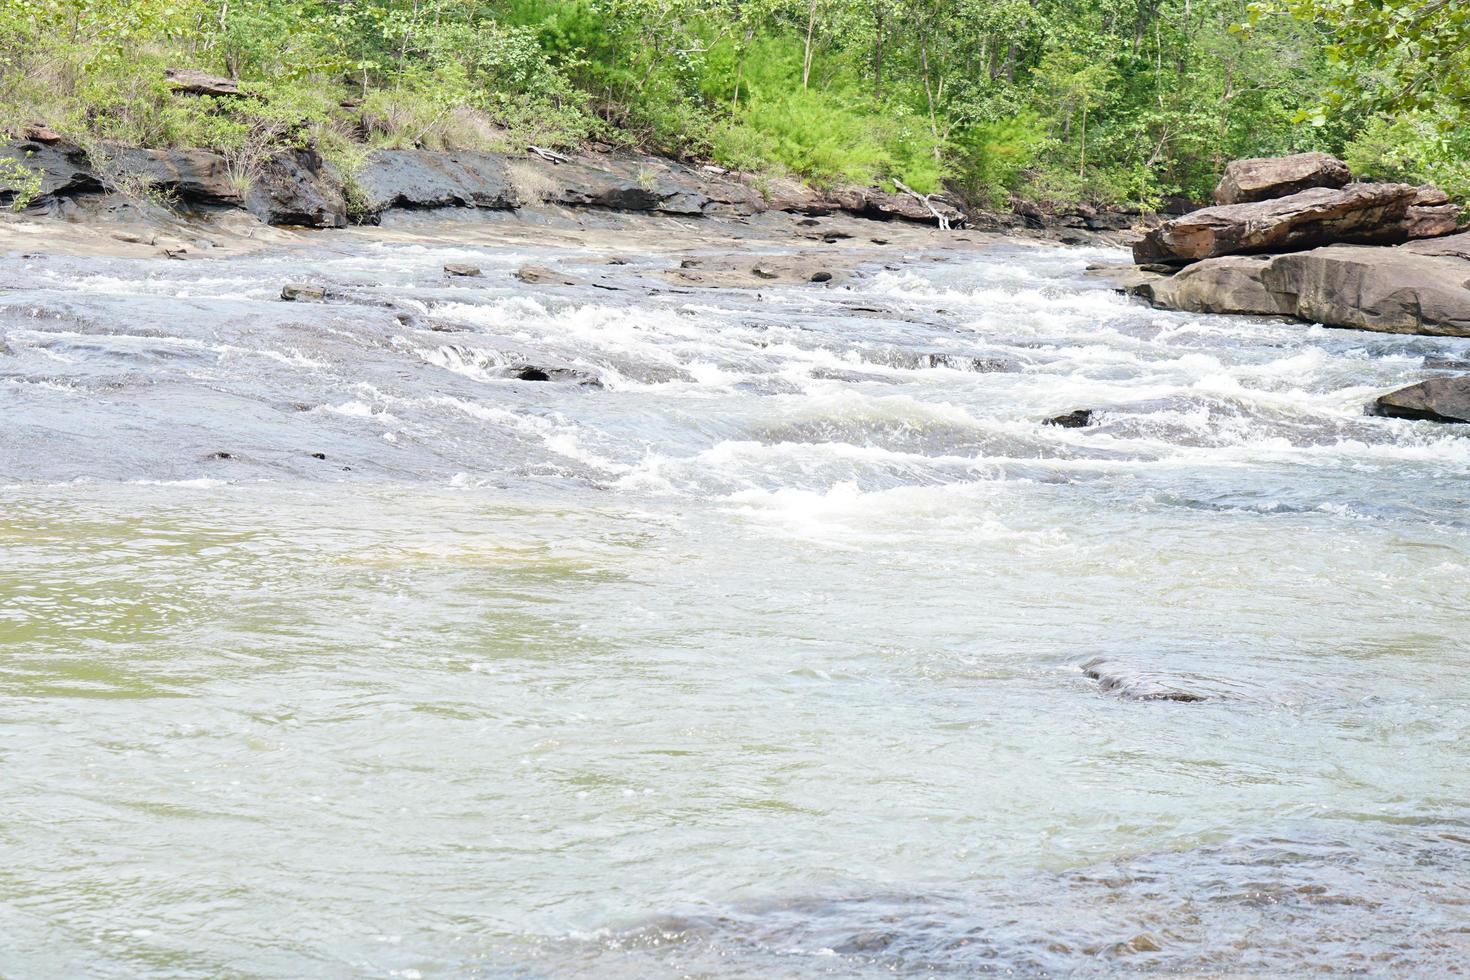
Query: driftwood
x=549, y=155
x=940, y=219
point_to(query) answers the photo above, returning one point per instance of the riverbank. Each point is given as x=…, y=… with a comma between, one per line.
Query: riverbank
x=298, y=189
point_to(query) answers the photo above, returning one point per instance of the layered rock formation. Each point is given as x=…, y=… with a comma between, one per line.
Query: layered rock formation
x=1358, y=213
x=1315, y=253
x=296, y=187
x=1393, y=290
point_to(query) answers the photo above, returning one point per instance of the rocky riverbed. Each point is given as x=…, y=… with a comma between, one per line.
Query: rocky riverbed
x=561, y=591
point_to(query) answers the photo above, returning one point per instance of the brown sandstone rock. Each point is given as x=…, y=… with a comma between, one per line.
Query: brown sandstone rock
x=1452, y=246
x=1430, y=196
x=1264, y=178
x=540, y=275
x=1392, y=290
x=1229, y=284
x=190, y=81
x=1431, y=222
x=40, y=133
x=1360, y=213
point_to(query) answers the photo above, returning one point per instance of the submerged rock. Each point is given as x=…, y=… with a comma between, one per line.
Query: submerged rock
x=531, y=372
x=302, y=291
x=736, y=272
x=540, y=275
x=1359, y=213
x=1135, y=685
x=1264, y=178
x=1081, y=418
x=922, y=360
x=1435, y=400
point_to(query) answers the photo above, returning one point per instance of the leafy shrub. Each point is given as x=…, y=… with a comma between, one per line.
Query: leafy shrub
x=1412, y=149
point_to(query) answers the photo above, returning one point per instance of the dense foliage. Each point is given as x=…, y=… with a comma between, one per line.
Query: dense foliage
x=1054, y=100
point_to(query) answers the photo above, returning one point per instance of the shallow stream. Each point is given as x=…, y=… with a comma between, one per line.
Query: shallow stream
x=751, y=644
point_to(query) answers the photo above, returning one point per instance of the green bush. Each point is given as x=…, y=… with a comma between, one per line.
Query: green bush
x=1412, y=149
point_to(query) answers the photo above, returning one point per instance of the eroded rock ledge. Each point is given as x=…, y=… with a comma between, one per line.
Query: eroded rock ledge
x=298, y=188
x=1422, y=287
x=1295, y=238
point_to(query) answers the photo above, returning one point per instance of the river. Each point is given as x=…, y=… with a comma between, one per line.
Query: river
x=330, y=647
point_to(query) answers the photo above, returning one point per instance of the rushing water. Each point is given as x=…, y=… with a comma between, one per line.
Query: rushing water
x=330, y=647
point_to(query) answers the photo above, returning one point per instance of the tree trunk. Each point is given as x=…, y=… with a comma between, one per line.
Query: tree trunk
x=1082, y=167
x=929, y=91
x=806, y=60
x=878, y=50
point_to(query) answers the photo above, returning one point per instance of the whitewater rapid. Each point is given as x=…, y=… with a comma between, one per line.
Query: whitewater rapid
x=751, y=643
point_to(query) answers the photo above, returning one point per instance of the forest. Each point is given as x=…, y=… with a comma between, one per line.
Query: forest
x=1128, y=102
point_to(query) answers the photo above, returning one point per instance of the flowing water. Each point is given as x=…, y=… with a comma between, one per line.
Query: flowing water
x=750, y=644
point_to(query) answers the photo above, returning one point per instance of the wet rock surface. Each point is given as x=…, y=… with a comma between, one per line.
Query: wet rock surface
x=1079, y=419
x=64, y=170
x=302, y=291
x=532, y=372
x=1435, y=400
x=1254, y=905
x=1394, y=290
x=753, y=271
x=541, y=275
x=296, y=188
x=1134, y=684
x=420, y=179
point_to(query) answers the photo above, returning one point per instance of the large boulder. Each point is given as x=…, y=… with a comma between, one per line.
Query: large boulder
x=1431, y=215
x=1358, y=213
x=190, y=176
x=63, y=170
x=1264, y=178
x=1393, y=290
x=420, y=179
x=295, y=187
x=1435, y=400
x=1229, y=284
x=1384, y=289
